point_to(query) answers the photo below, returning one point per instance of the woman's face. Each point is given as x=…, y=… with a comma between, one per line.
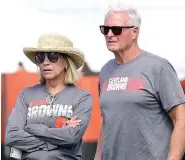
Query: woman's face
x=52, y=65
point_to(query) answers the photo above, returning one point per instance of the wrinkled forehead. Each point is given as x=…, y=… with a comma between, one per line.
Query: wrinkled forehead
x=116, y=18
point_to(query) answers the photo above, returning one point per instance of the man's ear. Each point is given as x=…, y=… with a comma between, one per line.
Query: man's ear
x=135, y=32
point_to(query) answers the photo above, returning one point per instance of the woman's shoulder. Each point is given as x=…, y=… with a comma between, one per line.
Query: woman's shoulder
x=81, y=95
x=80, y=91
x=32, y=89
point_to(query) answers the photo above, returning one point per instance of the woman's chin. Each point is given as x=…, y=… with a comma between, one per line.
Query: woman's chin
x=49, y=77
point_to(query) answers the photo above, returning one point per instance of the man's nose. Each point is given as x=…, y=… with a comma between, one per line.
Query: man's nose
x=110, y=34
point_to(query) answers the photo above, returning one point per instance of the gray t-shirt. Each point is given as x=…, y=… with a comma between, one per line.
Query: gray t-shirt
x=33, y=126
x=135, y=99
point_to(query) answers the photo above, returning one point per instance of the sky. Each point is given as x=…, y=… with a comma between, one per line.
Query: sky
x=23, y=21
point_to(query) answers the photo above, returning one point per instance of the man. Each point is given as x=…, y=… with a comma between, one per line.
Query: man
x=141, y=99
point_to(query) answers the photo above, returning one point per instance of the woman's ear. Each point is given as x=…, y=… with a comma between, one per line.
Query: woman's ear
x=66, y=65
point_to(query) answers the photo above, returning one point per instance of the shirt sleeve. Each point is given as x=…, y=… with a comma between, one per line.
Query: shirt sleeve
x=169, y=89
x=15, y=135
x=66, y=136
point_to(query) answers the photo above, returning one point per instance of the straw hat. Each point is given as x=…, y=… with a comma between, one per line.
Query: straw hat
x=56, y=43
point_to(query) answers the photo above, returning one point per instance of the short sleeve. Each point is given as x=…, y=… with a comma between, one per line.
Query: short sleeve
x=169, y=89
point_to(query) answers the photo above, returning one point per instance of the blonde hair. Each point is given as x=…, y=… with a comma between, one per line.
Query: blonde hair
x=70, y=74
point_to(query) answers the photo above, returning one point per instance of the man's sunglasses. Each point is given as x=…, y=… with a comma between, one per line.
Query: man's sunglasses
x=52, y=57
x=116, y=30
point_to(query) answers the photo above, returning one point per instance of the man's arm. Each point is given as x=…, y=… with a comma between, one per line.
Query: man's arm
x=177, y=145
x=99, y=145
x=15, y=135
x=65, y=135
x=100, y=139
x=172, y=98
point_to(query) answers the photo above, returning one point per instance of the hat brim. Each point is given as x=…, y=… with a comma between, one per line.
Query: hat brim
x=76, y=55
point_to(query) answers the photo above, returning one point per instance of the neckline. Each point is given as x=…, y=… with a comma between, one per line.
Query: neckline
x=63, y=90
x=131, y=61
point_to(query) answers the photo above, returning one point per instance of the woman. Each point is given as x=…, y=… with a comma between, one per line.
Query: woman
x=49, y=119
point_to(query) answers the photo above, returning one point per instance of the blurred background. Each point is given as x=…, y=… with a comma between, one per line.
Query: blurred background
x=23, y=21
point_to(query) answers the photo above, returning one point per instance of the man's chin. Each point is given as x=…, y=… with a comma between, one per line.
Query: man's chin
x=112, y=49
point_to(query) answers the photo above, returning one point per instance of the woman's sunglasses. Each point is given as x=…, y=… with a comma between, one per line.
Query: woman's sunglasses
x=116, y=30
x=52, y=57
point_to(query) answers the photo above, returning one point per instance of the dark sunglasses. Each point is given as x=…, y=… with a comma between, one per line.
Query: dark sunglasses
x=52, y=57
x=116, y=30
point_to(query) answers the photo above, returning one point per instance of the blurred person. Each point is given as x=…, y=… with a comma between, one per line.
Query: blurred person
x=50, y=118
x=20, y=66
x=141, y=99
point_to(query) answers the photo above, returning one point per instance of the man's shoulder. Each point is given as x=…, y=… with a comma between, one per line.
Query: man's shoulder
x=156, y=64
x=109, y=64
x=155, y=60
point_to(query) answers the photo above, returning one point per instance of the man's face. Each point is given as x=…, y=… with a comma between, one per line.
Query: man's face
x=118, y=43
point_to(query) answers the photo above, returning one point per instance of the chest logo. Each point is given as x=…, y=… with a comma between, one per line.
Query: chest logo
x=46, y=110
x=122, y=84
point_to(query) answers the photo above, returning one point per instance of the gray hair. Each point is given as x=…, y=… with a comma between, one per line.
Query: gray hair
x=134, y=17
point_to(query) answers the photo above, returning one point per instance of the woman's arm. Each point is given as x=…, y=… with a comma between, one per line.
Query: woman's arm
x=15, y=135
x=66, y=135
